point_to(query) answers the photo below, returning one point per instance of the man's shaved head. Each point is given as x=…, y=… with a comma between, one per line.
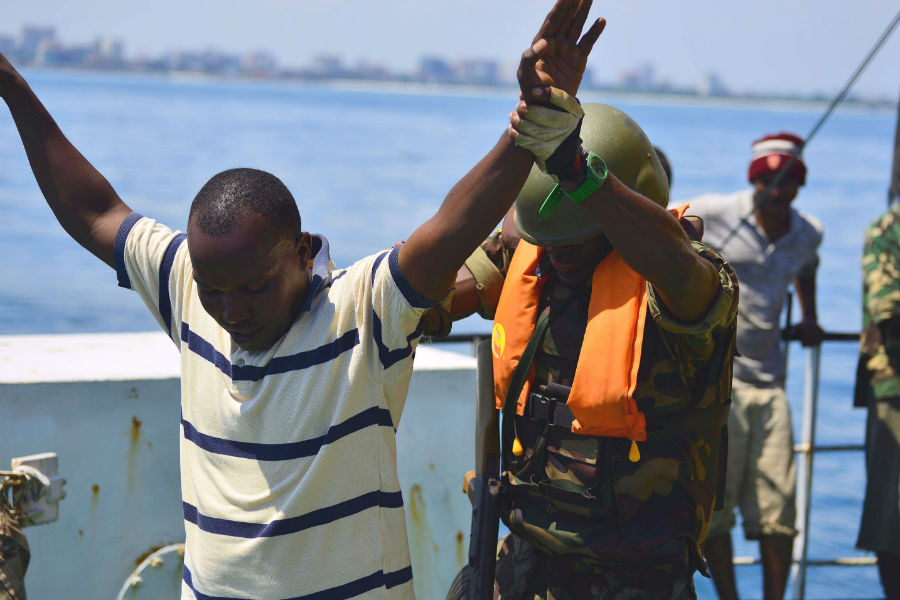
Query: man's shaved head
x=228, y=197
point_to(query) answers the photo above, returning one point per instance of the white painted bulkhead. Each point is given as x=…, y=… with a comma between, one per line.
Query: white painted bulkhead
x=108, y=405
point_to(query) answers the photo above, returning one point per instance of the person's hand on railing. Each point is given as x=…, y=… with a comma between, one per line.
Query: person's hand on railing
x=807, y=331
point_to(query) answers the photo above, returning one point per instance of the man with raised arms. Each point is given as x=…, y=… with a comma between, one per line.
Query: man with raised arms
x=294, y=373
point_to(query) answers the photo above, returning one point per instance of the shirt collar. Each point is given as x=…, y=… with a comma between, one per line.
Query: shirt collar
x=322, y=267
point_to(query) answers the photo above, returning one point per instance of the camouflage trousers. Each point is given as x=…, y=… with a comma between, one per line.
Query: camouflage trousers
x=525, y=573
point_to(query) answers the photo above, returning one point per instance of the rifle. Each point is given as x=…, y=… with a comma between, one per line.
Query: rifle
x=476, y=579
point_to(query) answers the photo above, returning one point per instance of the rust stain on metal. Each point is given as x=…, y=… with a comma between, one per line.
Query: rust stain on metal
x=95, y=498
x=81, y=533
x=461, y=558
x=143, y=557
x=417, y=504
x=135, y=429
x=133, y=450
x=422, y=544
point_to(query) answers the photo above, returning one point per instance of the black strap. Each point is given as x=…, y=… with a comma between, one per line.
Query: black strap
x=520, y=376
x=557, y=413
x=517, y=382
x=549, y=409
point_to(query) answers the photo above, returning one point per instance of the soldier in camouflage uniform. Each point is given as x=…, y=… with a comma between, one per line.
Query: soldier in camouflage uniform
x=589, y=518
x=878, y=389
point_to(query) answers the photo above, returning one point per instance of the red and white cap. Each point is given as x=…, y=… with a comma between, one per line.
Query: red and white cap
x=770, y=153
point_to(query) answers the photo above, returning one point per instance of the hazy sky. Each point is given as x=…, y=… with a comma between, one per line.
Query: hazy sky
x=765, y=45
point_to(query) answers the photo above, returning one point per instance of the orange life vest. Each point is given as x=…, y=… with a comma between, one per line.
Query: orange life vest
x=606, y=374
x=601, y=399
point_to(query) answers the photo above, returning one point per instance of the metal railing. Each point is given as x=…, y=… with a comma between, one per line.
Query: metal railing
x=806, y=448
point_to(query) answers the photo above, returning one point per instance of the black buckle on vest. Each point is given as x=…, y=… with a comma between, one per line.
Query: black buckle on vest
x=549, y=406
x=540, y=407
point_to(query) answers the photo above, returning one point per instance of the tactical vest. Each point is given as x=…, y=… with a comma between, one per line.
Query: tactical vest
x=601, y=398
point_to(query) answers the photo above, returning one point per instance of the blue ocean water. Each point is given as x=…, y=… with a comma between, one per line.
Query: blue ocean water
x=368, y=164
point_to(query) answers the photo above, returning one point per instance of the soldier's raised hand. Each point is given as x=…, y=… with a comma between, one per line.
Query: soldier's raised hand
x=8, y=75
x=558, y=54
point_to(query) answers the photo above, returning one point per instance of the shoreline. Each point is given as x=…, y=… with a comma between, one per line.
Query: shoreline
x=417, y=88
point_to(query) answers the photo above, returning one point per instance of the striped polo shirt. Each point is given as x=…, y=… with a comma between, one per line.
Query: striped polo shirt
x=288, y=456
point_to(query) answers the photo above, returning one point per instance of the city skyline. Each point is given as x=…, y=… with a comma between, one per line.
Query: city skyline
x=798, y=48
x=40, y=46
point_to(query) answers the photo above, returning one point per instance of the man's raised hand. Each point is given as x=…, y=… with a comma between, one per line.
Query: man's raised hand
x=557, y=57
x=8, y=75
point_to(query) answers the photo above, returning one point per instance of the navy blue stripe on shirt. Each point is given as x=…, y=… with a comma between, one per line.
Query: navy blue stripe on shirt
x=290, y=450
x=165, y=269
x=279, y=364
x=377, y=262
x=411, y=295
x=119, y=248
x=204, y=349
x=387, y=356
x=371, y=582
x=301, y=360
x=320, y=516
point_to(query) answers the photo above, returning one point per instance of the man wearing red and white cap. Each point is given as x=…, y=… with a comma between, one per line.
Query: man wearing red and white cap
x=771, y=246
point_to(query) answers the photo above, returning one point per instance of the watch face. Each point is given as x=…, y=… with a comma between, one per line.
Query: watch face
x=597, y=167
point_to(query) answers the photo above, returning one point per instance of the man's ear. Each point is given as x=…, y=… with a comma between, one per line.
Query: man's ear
x=304, y=249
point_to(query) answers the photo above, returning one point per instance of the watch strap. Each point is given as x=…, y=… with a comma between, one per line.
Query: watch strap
x=596, y=175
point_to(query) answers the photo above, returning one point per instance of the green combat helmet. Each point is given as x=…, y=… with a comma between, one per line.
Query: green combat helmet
x=628, y=154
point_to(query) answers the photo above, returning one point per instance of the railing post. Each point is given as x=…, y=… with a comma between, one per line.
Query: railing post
x=804, y=470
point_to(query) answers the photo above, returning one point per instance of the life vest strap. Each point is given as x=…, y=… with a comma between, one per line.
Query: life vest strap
x=545, y=408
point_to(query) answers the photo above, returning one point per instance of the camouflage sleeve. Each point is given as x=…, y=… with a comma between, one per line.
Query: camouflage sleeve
x=488, y=265
x=694, y=340
x=498, y=250
x=881, y=268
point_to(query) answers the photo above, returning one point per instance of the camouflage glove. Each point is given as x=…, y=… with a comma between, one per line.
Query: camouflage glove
x=549, y=131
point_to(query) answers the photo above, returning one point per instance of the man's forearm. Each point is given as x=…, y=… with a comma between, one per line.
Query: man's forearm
x=805, y=287
x=434, y=253
x=83, y=201
x=480, y=200
x=655, y=246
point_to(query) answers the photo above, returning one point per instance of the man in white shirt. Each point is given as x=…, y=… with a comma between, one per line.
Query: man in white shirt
x=770, y=245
